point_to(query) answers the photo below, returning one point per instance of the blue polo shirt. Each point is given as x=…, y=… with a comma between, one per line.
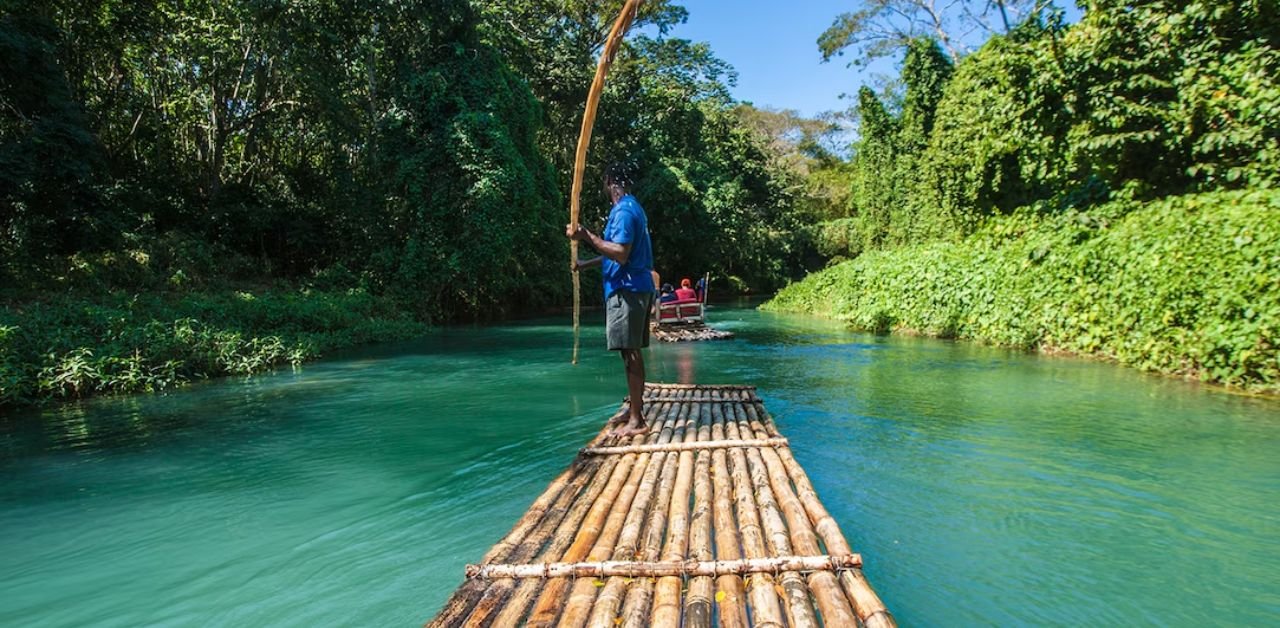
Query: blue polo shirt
x=628, y=225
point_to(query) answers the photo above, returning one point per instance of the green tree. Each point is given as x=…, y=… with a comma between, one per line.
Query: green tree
x=51, y=166
x=717, y=203
x=875, y=162
x=925, y=73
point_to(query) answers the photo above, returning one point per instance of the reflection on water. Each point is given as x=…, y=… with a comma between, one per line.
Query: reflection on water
x=983, y=486
x=684, y=358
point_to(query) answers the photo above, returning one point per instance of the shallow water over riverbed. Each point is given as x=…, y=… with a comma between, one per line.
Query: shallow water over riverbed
x=982, y=486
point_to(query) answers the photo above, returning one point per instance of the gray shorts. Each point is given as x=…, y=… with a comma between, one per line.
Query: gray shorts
x=626, y=316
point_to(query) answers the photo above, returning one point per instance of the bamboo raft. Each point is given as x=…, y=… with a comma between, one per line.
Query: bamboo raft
x=706, y=520
x=687, y=332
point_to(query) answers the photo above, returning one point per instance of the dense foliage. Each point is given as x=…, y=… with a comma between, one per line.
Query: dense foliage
x=1139, y=101
x=424, y=146
x=1069, y=188
x=1187, y=285
x=384, y=137
x=413, y=155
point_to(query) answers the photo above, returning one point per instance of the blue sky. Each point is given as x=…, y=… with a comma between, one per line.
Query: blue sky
x=773, y=46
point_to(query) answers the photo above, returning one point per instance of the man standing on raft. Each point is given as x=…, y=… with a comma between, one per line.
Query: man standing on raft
x=626, y=261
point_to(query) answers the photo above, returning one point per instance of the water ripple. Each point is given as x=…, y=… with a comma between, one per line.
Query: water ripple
x=983, y=486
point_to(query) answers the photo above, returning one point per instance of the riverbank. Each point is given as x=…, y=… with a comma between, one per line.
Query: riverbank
x=1186, y=285
x=87, y=343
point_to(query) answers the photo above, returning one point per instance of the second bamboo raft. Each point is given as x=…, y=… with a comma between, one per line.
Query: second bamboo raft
x=706, y=520
x=687, y=332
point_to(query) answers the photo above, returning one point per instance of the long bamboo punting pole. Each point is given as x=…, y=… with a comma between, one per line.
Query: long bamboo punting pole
x=631, y=569
x=870, y=610
x=611, y=45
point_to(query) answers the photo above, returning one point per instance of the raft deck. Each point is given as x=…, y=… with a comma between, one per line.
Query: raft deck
x=706, y=520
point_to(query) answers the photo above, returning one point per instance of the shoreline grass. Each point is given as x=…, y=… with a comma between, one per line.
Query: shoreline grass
x=75, y=346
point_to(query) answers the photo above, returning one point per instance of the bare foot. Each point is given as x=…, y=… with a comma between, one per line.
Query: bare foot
x=620, y=418
x=632, y=428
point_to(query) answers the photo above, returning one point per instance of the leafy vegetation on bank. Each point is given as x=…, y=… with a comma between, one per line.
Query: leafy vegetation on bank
x=1103, y=188
x=1186, y=285
x=70, y=347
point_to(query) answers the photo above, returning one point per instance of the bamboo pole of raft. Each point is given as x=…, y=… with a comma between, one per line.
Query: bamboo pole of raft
x=871, y=610
x=550, y=598
x=563, y=513
x=599, y=532
x=462, y=600
x=514, y=611
x=662, y=519
x=657, y=387
x=697, y=604
x=794, y=590
x=729, y=443
x=730, y=590
x=676, y=568
x=825, y=586
x=599, y=605
x=635, y=607
x=558, y=527
x=765, y=606
x=611, y=45
x=666, y=597
x=635, y=540
x=511, y=613
x=784, y=470
x=460, y=603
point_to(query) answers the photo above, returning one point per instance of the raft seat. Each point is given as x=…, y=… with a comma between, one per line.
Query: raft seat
x=686, y=311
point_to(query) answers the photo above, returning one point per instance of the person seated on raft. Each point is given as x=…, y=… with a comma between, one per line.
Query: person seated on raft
x=668, y=294
x=685, y=292
x=701, y=289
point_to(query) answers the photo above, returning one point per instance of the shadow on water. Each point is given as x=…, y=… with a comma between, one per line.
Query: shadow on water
x=983, y=486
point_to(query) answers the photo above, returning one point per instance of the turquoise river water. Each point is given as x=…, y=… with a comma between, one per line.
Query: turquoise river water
x=982, y=486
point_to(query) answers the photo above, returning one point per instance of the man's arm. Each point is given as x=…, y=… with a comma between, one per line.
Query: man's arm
x=578, y=265
x=619, y=253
